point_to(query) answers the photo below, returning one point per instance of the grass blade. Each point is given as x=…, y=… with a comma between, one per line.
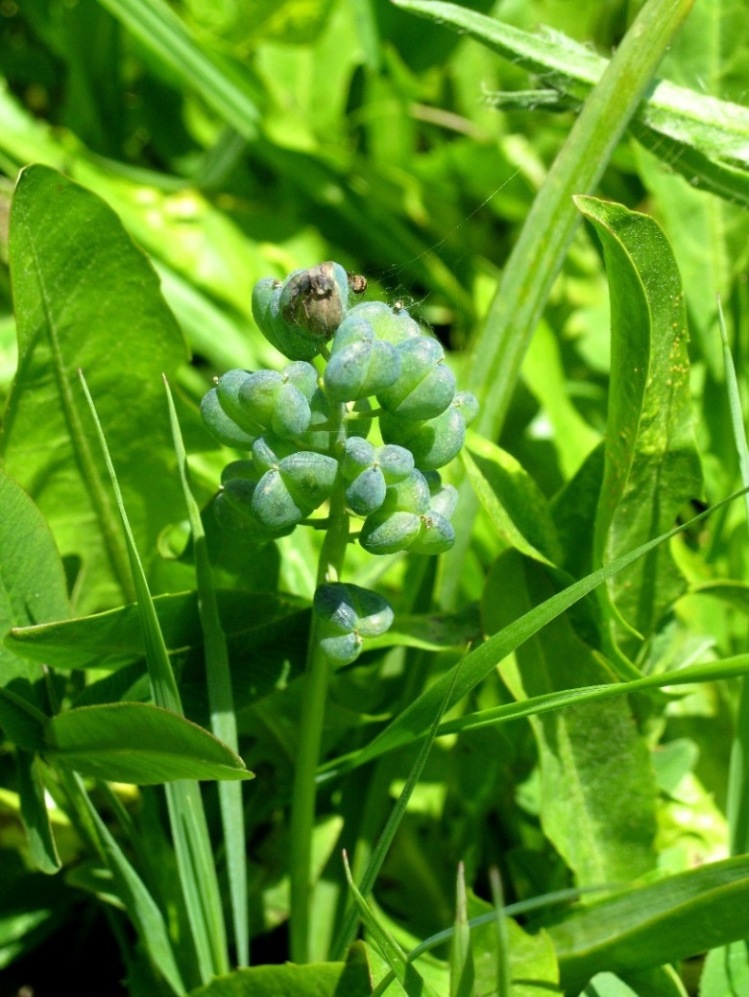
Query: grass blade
x=186, y=814
x=503, y=935
x=414, y=721
x=541, y=247
x=141, y=907
x=462, y=975
x=159, y=29
x=404, y=971
x=220, y=698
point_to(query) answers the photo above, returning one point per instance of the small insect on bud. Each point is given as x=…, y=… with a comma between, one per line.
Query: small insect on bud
x=312, y=300
x=357, y=283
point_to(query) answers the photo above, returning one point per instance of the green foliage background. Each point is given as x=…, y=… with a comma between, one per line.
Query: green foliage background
x=233, y=141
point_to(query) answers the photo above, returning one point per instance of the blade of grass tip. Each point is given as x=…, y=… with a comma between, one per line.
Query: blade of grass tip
x=503, y=936
x=521, y=907
x=406, y=973
x=539, y=252
x=737, y=802
x=192, y=845
x=462, y=974
x=348, y=928
x=220, y=699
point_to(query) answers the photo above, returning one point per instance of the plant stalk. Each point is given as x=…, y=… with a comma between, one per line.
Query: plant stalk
x=538, y=254
x=314, y=695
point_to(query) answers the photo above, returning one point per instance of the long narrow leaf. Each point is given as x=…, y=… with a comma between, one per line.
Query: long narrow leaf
x=220, y=698
x=157, y=27
x=186, y=814
x=405, y=972
x=141, y=907
x=549, y=227
x=414, y=721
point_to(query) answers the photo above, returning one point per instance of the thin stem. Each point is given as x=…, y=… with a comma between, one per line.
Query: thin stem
x=310, y=734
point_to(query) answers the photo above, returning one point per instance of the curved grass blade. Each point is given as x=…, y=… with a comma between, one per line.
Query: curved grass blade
x=413, y=722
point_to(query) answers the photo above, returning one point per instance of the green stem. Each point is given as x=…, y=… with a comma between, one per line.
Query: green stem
x=538, y=254
x=314, y=695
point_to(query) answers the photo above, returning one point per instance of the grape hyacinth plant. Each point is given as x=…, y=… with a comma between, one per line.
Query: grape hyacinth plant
x=308, y=436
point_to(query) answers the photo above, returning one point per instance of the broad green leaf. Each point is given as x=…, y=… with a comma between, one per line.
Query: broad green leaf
x=597, y=785
x=34, y=812
x=652, y=468
x=138, y=743
x=607, y=985
x=514, y=502
x=331, y=979
x=32, y=582
x=661, y=981
x=86, y=297
x=658, y=923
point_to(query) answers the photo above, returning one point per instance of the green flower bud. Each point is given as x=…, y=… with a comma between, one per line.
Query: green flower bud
x=366, y=493
x=391, y=325
x=433, y=442
x=436, y=535
x=228, y=389
x=309, y=477
x=275, y=403
x=358, y=454
x=468, y=406
x=425, y=386
x=389, y=533
x=220, y=425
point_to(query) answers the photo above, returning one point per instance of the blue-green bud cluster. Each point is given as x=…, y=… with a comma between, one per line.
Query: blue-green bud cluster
x=307, y=433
